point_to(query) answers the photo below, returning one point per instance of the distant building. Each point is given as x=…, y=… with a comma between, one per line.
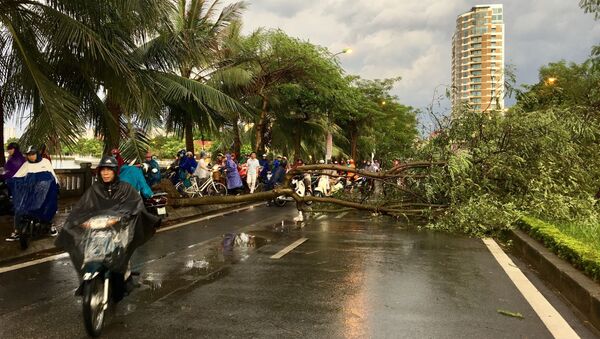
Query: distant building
x=478, y=46
x=9, y=133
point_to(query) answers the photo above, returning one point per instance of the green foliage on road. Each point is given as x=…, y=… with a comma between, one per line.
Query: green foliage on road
x=540, y=158
x=579, y=254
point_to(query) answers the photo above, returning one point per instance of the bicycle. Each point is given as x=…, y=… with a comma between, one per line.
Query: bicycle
x=208, y=188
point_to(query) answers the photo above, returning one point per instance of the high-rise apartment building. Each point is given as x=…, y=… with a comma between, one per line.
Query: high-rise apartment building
x=478, y=58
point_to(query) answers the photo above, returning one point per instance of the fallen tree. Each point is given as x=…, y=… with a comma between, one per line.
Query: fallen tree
x=402, y=204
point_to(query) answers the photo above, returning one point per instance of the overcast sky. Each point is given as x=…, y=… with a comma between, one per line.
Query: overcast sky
x=412, y=38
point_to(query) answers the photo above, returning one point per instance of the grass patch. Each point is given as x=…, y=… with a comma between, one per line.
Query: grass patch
x=588, y=234
x=580, y=254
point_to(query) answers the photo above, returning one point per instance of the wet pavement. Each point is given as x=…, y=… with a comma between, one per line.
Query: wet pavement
x=356, y=276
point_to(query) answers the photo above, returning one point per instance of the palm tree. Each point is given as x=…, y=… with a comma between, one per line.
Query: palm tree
x=196, y=29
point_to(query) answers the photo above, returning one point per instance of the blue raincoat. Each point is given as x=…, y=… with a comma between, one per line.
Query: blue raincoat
x=135, y=177
x=35, y=191
x=233, y=176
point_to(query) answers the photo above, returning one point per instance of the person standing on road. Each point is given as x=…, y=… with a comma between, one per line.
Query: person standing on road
x=252, y=174
x=234, y=182
x=202, y=171
x=14, y=162
x=264, y=165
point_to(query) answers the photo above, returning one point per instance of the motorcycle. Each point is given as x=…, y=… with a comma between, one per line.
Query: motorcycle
x=103, y=242
x=30, y=228
x=157, y=204
x=5, y=199
x=300, y=189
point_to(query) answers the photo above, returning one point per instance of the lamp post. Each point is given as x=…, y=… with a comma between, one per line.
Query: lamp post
x=329, y=137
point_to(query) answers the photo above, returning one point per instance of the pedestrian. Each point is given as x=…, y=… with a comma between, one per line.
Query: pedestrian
x=234, y=182
x=264, y=165
x=253, y=167
x=202, y=171
x=151, y=170
x=117, y=155
x=35, y=192
x=14, y=162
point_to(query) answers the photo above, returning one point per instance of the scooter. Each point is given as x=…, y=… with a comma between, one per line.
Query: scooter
x=299, y=188
x=101, y=243
x=31, y=228
x=157, y=204
x=5, y=199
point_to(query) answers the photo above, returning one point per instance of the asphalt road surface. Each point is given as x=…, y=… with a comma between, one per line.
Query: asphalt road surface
x=345, y=275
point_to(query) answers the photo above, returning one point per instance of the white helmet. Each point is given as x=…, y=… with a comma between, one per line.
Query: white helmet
x=321, y=161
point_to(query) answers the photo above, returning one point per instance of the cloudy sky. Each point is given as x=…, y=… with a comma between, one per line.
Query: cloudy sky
x=412, y=38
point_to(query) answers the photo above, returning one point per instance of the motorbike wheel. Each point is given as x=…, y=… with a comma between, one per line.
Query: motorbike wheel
x=308, y=194
x=25, y=234
x=218, y=190
x=280, y=201
x=93, y=306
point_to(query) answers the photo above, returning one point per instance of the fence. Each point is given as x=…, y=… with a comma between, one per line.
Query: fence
x=74, y=182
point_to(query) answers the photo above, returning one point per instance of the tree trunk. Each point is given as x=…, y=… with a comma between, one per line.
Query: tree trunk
x=2, y=157
x=354, y=144
x=189, y=136
x=298, y=145
x=237, y=139
x=260, y=126
x=113, y=137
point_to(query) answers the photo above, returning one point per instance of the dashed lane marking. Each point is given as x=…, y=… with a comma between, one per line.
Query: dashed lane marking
x=341, y=215
x=289, y=248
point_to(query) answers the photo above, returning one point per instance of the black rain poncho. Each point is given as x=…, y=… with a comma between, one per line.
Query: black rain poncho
x=135, y=228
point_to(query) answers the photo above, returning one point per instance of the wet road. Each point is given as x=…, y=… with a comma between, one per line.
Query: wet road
x=355, y=276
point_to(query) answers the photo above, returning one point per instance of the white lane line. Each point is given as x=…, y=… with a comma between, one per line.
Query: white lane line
x=321, y=217
x=66, y=255
x=341, y=215
x=289, y=248
x=168, y=228
x=555, y=323
x=33, y=262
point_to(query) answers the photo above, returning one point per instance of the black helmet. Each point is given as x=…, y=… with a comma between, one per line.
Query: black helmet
x=31, y=150
x=181, y=153
x=108, y=162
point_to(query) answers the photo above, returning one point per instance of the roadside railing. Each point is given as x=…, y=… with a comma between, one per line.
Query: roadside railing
x=74, y=182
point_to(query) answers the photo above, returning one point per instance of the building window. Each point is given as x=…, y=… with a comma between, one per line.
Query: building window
x=476, y=93
x=497, y=17
x=475, y=73
x=475, y=79
x=493, y=50
x=475, y=45
x=476, y=52
x=476, y=59
x=476, y=39
x=476, y=107
x=475, y=86
x=494, y=29
x=476, y=66
x=496, y=10
x=476, y=100
x=493, y=57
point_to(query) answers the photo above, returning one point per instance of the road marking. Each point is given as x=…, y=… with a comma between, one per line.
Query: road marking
x=66, y=255
x=341, y=215
x=172, y=227
x=555, y=323
x=321, y=217
x=33, y=262
x=289, y=248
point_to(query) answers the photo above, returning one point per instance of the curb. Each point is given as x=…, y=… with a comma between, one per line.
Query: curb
x=41, y=250
x=581, y=291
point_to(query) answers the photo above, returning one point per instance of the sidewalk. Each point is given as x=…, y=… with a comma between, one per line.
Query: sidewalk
x=11, y=251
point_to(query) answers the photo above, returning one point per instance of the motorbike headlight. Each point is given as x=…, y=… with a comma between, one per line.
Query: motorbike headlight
x=101, y=222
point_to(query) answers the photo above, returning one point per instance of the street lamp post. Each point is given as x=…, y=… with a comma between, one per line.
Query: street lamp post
x=329, y=137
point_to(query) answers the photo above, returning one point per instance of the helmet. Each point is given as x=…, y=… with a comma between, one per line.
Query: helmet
x=264, y=155
x=31, y=150
x=108, y=162
x=181, y=153
x=115, y=151
x=202, y=154
x=145, y=168
x=321, y=161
